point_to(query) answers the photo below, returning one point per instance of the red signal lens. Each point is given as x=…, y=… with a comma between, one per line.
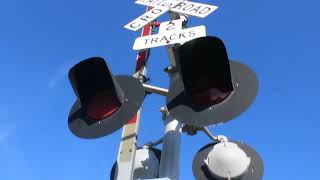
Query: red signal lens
x=102, y=106
x=209, y=97
x=209, y=92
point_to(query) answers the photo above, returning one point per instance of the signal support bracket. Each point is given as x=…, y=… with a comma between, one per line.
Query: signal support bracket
x=156, y=90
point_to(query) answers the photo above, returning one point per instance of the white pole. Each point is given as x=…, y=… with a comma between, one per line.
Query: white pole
x=170, y=157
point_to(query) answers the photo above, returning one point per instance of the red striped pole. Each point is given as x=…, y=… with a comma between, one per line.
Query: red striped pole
x=128, y=147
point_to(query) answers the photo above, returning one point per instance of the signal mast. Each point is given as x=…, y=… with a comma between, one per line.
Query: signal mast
x=206, y=88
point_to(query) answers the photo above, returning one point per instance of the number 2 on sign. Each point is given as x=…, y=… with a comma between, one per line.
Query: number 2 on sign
x=170, y=26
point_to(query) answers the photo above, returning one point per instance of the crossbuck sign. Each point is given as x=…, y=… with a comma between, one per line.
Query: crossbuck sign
x=170, y=32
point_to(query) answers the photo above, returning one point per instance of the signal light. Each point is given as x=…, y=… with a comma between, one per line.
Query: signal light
x=227, y=160
x=104, y=102
x=208, y=88
x=205, y=72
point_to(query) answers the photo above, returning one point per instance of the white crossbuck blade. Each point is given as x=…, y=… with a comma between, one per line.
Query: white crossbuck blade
x=151, y=15
x=169, y=37
x=185, y=7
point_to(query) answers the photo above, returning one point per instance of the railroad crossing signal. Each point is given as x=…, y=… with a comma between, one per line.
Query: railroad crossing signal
x=206, y=88
x=104, y=102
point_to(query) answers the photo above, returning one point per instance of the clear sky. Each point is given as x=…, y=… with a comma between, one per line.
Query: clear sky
x=41, y=39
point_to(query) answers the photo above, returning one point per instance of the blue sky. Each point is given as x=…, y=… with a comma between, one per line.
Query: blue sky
x=41, y=39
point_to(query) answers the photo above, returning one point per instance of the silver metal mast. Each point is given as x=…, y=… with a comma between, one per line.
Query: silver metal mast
x=170, y=158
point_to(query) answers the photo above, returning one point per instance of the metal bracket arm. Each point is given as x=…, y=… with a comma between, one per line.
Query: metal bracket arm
x=156, y=90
